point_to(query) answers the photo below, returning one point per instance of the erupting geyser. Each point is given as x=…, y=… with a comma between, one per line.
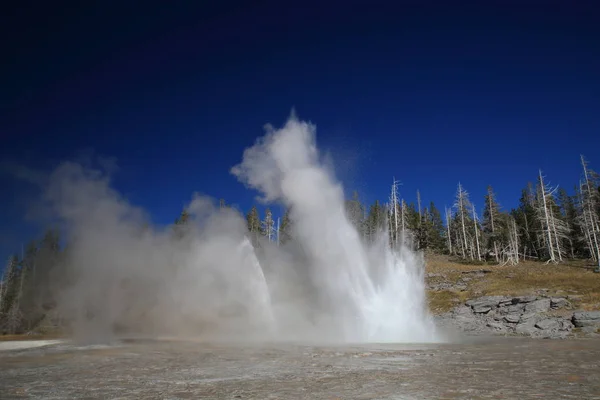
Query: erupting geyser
x=210, y=281
x=284, y=166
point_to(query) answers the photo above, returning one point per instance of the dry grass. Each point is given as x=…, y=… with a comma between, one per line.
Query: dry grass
x=573, y=279
x=443, y=300
x=8, y=338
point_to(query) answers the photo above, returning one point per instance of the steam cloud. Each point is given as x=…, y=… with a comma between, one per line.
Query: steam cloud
x=122, y=275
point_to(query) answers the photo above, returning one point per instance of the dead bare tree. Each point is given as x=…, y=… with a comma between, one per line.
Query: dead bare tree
x=554, y=230
x=476, y=230
x=462, y=205
x=448, y=233
x=394, y=217
x=589, y=219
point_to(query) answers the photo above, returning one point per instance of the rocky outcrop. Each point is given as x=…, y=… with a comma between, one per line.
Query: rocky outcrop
x=535, y=316
x=587, y=321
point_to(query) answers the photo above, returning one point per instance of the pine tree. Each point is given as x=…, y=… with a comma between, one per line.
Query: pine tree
x=463, y=209
x=355, y=212
x=406, y=234
x=568, y=211
x=491, y=224
x=254, y=226
x=436, y=229
x=29, y=305
x=9, y=298
x=268, y=226
x=412, y=222
x=451, y=249
x=284, y=233
x=527, y=224
x=180, y=227
x=48, y=268
x=376, y=220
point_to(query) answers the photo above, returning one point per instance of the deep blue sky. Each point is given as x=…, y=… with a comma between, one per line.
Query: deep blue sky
x=477, y=92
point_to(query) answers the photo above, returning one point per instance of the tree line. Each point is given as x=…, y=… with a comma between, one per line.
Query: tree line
x=549, y=224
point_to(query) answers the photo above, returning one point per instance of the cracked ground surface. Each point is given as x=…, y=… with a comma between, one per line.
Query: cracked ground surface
x=499, y=368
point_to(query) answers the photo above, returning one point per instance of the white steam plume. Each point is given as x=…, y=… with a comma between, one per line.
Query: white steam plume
x=121, y=275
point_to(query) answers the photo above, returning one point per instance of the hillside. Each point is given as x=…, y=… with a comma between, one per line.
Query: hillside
x=451, y=283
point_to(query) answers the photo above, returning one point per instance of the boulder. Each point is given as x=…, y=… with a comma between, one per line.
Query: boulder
x=507, y=302
x=548, y=324
x=497, y=326
x=586, y=318
x=515, y=308
x=530, y=317
x=566, y=325
x=485, y=301
x=526, y=327
x=559, y=302
x=481, y=309
x=525, y=299
x=462, y=310
x=511, y=309
x=538, y=306
x=512, y=318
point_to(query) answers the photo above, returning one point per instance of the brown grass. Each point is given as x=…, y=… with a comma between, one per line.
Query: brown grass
x=573, y=279
x=8, y=338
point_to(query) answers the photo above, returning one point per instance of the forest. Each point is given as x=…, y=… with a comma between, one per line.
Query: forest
x=549, y=225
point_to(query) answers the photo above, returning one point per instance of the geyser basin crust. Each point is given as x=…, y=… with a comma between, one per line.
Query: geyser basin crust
x=502, y=368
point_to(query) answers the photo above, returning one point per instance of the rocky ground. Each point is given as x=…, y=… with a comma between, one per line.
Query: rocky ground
x=534, y=316
x=532, y=299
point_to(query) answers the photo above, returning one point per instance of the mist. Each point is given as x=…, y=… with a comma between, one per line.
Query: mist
x=124, y=276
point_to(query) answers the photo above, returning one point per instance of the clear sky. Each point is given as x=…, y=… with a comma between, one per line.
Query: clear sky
x=477, y=92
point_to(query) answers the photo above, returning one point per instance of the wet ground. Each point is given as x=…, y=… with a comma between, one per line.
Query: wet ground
x=507, y=368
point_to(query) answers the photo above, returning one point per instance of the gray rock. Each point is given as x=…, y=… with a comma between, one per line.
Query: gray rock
x=530, y=317
x=497, y=326
x=537, y=306
x=512, y=318
x=515, y=308
x=566, y=325
x=462, y=310
x=507, y=302
x=548, y=324
x=485, y=301
x=586, y=318
x=479, y=309
x=559, y=302
x=591, y=315
x=525, y=299
x=512, y=309
x=554, y=334
x=494, y=315
x=526, y=327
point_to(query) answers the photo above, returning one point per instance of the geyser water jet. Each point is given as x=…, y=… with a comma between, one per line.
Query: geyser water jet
x=206, y=279
x=284, y=166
